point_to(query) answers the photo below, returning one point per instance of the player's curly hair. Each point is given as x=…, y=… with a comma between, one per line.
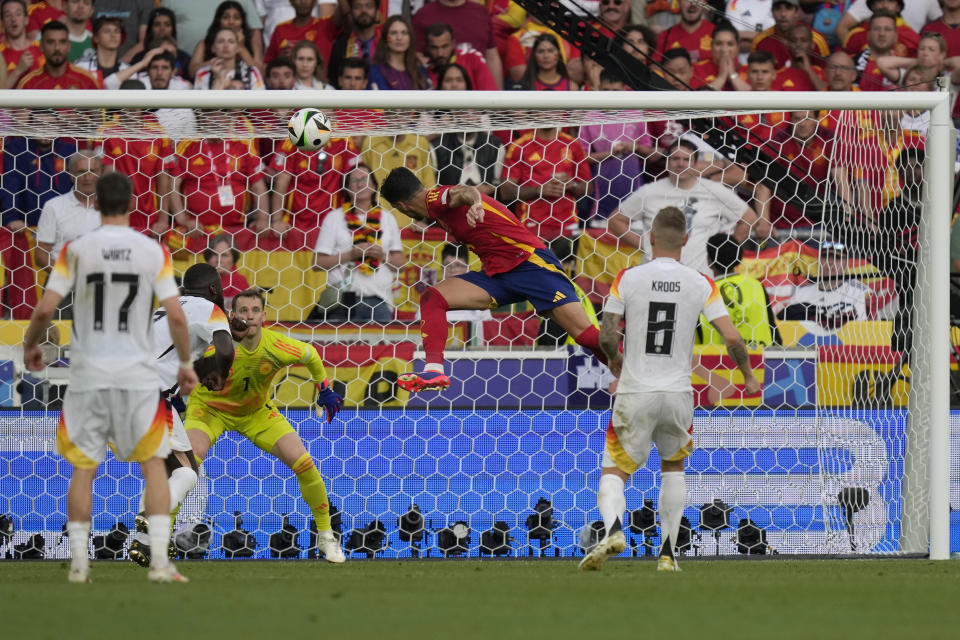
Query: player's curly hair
x=401, y=185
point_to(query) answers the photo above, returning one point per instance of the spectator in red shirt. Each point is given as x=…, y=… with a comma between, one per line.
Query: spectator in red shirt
x=804, y=150
x=948, y=26
x=800, y=74
x=931, y=54
x=786, y=14
x=20, y=53
x=229, y=15
x=471, y=23
x=906, y=41
x=145, y=162
x=677, y=62
x=57, y=73
x=761, y=76
x=722, y=67
x=692, y=33
x=223, y=256
x=306, y=186
x=443, y=50
x=360, y=41
x=217, y=182
x=881, y=37
x=304, y=26
x=545, y=68
x=546, y=172
x=40, y=13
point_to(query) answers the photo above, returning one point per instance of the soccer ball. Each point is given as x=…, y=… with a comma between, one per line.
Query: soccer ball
x=309, y=129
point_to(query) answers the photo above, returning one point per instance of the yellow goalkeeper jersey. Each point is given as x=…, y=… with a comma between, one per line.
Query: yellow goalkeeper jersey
x=250, y=383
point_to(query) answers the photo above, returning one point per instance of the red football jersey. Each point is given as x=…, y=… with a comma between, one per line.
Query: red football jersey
x=215, y=176
x=793, y=79
x=40, y=14
x=950, y=33
x=320, y=31
x=532, y=162
x=776, y=44
x=72, y=78
x=12, y=56
x=475, y=65
x=906, y=45
x=697, y=43
x=706, y=71
x=142, y=161
x=317, y=177
x=500, y=241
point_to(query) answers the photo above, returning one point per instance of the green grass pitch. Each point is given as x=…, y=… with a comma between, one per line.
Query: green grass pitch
x=550, y=599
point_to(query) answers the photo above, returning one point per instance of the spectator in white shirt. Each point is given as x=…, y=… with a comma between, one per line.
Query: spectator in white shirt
x=710, y=208
x=67, y=217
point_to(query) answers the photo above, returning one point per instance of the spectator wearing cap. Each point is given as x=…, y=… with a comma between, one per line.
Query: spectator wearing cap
x=906, y=40
x=786, y=15
x=743, y=295
x=56, y=72
x=835, y=298
x=693, y=33
x=916, y=13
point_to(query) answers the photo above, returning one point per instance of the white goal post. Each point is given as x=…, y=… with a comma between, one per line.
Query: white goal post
x=925, y=515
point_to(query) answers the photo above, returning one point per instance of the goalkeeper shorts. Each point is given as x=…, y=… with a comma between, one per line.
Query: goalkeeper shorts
x=264, y=427
x=641, y=420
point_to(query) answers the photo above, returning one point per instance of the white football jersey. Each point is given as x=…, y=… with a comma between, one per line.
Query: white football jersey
x=660, y=302
x=114, y=273
x=204, y=318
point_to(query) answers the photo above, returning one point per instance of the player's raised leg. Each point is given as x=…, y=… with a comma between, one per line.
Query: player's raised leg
x=290, y=450
x=450, y=294
x=575, y=322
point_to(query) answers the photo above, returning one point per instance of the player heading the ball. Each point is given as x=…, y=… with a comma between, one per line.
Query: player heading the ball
x=660, y=302
x=517, y=267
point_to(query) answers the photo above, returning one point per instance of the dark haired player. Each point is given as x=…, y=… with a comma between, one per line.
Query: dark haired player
x=517, y=266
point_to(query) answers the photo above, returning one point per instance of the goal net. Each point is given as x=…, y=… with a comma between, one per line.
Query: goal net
x=823, y=219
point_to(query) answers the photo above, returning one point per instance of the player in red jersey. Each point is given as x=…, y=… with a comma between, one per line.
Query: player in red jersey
x=516, y=267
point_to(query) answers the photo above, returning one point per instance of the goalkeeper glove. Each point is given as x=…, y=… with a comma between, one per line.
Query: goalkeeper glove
x=328, y=399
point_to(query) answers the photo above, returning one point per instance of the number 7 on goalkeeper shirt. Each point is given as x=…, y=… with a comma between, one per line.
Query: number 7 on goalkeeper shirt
x=243, y=406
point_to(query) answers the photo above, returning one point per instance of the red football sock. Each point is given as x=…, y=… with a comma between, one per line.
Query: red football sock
x=590, y=338
x=433, y=325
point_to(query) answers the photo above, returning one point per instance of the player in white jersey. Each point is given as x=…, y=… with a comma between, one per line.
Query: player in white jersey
x=202, y=304
x=659, y=302
x=114, y=273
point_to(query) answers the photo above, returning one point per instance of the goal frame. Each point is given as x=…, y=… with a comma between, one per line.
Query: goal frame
x=926, y=523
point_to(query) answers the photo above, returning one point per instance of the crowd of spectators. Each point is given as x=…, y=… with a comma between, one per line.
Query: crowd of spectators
x=219, y=196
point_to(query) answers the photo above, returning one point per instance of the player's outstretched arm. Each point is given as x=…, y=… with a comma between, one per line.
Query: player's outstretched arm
x=610, y=341
x=180, y=333
x=738, y=351
x=39, y=321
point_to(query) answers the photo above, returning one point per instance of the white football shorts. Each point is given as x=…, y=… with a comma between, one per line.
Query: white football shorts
x=640, y=420
x=135, y=423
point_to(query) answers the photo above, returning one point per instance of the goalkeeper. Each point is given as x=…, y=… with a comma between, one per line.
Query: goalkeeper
x=243, y=406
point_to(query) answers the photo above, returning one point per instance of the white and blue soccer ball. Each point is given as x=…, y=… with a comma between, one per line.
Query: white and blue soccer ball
x=309, y=129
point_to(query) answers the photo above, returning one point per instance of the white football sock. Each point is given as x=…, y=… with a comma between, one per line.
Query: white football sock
x=195, y=503
x=611, y=501
x=433, y=367
x=159, y=537
x=79, y=534
x=673, y=498
x=181, y=481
